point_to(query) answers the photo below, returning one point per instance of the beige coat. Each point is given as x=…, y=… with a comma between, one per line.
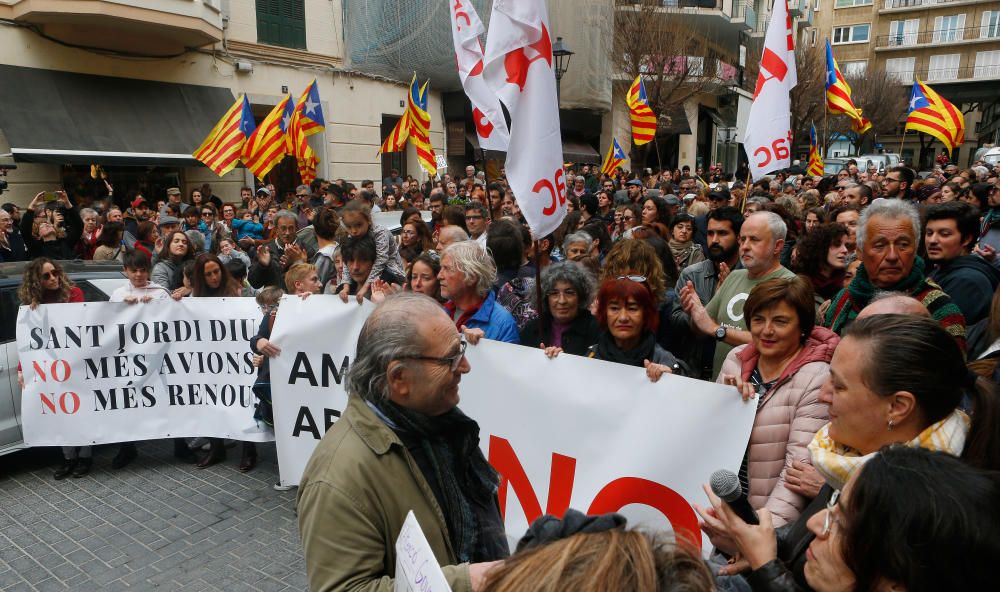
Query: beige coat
x=353, y=498
x=787, y=419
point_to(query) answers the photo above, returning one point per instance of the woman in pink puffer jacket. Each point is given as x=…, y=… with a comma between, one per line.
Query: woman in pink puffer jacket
x=784, y=366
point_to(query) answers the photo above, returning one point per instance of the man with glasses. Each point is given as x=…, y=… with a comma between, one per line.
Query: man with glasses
x=897, y=182
x=476, y=221
x=467, y=276
x=401, y=445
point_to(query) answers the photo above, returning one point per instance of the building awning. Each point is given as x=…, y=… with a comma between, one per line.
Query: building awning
x=715, y=117
x=579, y=152
x=68, y=118
x=673, y=121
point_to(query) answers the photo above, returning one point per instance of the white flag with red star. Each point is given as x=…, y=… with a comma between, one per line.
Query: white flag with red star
x=518, y=68
x=486, y=112
x=768, y=139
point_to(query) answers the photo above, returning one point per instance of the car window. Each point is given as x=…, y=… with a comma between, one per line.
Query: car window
x=91, y=293
x=8, y=314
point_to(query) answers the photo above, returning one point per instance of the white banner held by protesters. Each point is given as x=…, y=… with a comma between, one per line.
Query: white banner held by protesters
x=768, y=138
x=486, y=112
x=518, y=68
x=318, y=337
x=599, y=437
x=105, y=372
x=570, y=432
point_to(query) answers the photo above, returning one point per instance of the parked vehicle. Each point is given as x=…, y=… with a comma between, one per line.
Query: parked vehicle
x=97, y=280
x=992, y=156
x=881, y=162
x=833, y=165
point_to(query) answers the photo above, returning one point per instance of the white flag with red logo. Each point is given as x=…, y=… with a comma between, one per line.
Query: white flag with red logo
x=486, y=112
x=518, y=68
x=768, y=138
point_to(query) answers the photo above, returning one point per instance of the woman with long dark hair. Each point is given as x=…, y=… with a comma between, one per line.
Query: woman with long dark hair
x=177, y=250
x=211, y=279
x=821, y=255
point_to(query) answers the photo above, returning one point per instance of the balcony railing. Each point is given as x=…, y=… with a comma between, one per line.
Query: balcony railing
x=938, y=36
x=707, y=4
x=743, y=12
x=890, y=4
x=977, y=73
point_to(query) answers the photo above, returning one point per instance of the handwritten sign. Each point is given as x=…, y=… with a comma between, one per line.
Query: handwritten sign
x=416, y=568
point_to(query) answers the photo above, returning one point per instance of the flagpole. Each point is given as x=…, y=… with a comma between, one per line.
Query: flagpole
x=902, y=139
x=826, y=131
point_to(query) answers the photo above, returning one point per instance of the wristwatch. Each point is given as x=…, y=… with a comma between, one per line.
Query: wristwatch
x=720, y=333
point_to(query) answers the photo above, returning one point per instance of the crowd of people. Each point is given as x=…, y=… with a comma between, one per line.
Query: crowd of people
x=859, y=312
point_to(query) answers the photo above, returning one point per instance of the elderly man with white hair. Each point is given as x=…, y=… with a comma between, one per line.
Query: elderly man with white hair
x=888, y=235
x=466, y=279
x=762, y=238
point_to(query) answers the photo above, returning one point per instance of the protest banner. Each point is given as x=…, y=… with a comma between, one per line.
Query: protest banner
x=569, y=432
x=106, y=372
x=317, y=337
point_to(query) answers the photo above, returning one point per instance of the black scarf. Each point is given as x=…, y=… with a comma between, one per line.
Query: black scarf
x=451, y=443
x=608, y=350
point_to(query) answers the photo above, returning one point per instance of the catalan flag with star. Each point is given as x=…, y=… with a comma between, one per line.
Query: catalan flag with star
x=307, y=119
x=267, y=146
x=222, y=147
x=420, y=125
x=643, y=118
x=815, y=166
x=614, y=159
x=838, y=95
x=933, y=114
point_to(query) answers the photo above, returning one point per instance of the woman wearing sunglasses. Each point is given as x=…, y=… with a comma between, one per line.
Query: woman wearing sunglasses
x=45, y=282
x=628, y=319
x=894, y=379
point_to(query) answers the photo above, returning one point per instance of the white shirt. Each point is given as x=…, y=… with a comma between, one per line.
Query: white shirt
x=153, y=290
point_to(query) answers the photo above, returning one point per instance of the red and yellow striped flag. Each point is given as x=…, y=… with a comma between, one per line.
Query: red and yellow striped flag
x=643, y=118
x=221, y=149
x=933, y=114
x=267, y=146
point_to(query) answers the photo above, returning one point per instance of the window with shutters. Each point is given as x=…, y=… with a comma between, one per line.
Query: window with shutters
x=987, y=64
x=990, y=25
x=282, y=22
x=949, y=28
x=903, y=32
x=901, y=69
x=943, y=67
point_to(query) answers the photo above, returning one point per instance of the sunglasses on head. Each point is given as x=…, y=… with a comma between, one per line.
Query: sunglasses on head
x=633, y=278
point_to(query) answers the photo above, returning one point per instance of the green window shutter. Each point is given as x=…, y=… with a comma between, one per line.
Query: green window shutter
x=282, y=22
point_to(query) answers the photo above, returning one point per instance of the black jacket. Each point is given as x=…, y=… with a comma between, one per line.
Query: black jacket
x=970, y=282
x=17, y=250
x=579, y=336
x=59, y=249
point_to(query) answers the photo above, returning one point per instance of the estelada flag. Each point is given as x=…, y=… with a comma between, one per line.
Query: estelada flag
x=815, y=167
x=420, y=125
x=614, y=158
x=222, y=147
x=268, y=145
x=838, y=95
x=933, y=114
x=643, y=118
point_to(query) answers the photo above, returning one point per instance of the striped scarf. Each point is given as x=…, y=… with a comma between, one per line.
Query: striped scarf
x=848, y=302
x=836, y=462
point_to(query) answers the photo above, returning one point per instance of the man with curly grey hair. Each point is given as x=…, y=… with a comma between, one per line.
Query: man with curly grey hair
x=466, y=279
x=401, y=445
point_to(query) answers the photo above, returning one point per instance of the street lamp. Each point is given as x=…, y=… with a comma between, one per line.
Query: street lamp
x=562, y=55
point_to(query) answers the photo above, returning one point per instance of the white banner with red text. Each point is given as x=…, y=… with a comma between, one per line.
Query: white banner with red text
x=567, y=432
x=104, y=372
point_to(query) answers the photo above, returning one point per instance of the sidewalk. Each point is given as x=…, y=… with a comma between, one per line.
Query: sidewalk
x=157, y=524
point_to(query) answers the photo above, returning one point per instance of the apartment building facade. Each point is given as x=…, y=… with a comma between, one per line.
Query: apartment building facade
x=136, y=85
x=954, y=45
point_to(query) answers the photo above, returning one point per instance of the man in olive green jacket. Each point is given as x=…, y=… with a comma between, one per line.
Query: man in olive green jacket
x=400, y=445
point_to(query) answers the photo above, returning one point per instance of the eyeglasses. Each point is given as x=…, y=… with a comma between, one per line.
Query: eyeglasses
x=467, y=218
x=828, y=519
x=207, y=215
x=634, y=278
x=453, y=362
x=891, y=180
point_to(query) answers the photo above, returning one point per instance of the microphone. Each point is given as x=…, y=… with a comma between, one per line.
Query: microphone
x=726, y=485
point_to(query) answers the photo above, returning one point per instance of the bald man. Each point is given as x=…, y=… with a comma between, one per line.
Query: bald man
x=895, y=303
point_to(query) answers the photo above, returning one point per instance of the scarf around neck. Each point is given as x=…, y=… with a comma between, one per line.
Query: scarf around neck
x=608, y=350
x=837, y=462
x=862, y=290
x=451, y=444
x=680, y=251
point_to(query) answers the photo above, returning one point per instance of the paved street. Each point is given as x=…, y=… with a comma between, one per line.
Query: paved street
x=157, y=524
